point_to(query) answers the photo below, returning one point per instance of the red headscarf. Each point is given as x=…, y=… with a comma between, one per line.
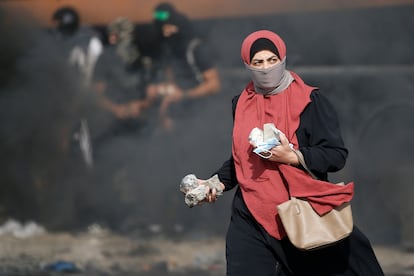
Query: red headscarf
x=263, y=182
x=249, y=40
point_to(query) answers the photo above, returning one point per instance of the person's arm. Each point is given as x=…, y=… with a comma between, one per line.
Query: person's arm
x=210, y=85
x=227, y=174
x=204, y=59
x=319, y=137
x=204, y=62
x=118, y=110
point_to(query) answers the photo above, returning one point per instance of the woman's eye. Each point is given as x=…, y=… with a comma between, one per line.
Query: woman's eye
x=274, y=60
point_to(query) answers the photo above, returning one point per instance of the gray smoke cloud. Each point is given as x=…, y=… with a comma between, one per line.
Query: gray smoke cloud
x=362, y=60
x=135, y=179
x=40, y=97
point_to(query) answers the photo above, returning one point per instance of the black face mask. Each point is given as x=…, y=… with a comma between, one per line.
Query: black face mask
x=178, y=42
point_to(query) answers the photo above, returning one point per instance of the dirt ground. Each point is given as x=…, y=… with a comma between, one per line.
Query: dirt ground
x=105, y=253
x=101, y=252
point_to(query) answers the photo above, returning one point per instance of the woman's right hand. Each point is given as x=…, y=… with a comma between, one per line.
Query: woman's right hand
x=211, y=195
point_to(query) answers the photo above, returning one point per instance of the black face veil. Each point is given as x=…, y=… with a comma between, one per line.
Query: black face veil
x=165, y=13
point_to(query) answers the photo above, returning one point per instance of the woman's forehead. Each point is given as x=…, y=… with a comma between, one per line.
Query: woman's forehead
x=264, y=54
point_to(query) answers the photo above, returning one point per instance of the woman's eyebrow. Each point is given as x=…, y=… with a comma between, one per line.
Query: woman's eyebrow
x=257, y=60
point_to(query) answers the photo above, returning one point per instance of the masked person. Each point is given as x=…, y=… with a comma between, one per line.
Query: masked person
x=186, y=68
x=83, y=44
x=256, y=243
x=81, y=47
x=119, y=75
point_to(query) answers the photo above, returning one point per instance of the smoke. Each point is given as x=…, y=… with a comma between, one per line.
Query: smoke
x=40, y=97
x=361, y=60
x=134, y=182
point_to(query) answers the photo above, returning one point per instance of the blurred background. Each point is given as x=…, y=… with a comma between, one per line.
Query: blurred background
x=359, y=53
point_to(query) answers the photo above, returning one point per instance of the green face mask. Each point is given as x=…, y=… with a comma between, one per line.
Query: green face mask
x=161, y=15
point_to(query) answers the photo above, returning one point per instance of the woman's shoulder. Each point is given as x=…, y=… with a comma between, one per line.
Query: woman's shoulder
x=318, y=97
x=234, y=101
x=235, y=98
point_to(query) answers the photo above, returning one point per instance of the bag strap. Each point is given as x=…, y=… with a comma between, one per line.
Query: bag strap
x=302, y=162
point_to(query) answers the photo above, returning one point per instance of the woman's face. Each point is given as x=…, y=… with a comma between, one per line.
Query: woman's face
x=264, y=59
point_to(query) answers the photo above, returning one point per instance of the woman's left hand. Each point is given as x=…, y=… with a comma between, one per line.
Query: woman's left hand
x=284, y=153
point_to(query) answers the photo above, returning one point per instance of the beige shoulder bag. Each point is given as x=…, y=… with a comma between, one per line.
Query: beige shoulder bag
x=306, y=229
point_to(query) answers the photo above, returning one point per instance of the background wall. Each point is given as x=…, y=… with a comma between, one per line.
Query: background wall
x=140, y=11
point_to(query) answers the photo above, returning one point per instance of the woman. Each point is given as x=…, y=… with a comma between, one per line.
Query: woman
x=256, y=243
